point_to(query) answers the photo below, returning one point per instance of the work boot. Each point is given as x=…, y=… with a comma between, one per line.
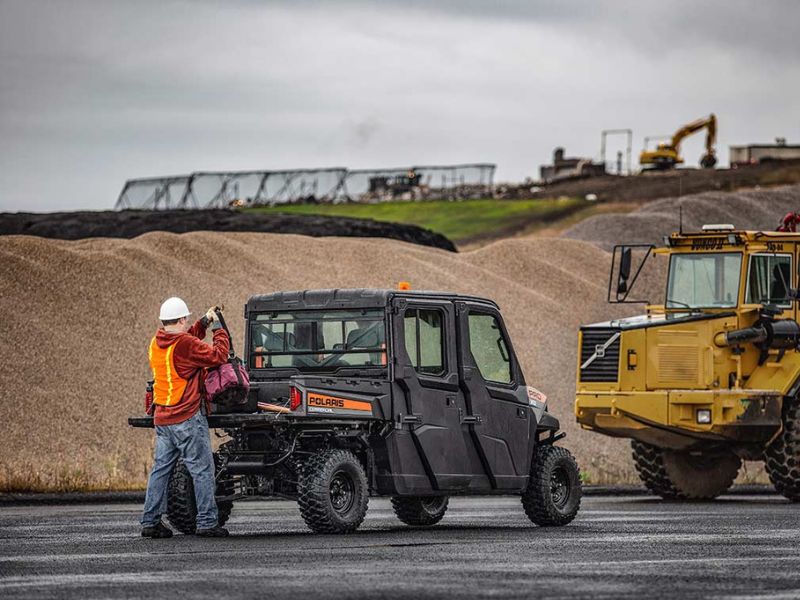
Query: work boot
x=215, y=531
x=157, y=531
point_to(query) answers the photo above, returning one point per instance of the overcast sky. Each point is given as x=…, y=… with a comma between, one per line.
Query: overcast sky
x=95, y=92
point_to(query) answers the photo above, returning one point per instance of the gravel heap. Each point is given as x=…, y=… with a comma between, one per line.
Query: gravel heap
x=79, y=315
x=755, y=209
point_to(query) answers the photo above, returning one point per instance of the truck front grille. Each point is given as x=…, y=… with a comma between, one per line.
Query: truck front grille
x=605, y=365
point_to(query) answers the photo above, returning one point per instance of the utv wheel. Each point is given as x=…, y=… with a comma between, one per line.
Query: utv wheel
x=420, y=511
x=553, y=495
x=332, y=492
x=680, y=475
x=181, y=503
x=782, y=458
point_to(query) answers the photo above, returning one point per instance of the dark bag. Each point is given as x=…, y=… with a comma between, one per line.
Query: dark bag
x=228, y=384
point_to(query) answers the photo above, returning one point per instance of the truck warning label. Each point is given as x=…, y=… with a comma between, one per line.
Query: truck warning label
x=318, y=401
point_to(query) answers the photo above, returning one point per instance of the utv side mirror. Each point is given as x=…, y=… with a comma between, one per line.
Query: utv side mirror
x=624, y=271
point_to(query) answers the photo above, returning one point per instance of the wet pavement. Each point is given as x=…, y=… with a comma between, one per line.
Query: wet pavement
x=618, y=547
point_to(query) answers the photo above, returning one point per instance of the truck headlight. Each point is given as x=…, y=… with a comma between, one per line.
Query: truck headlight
x=703, y=416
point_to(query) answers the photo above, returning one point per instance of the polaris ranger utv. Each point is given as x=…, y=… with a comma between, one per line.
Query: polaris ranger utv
x=413, y=395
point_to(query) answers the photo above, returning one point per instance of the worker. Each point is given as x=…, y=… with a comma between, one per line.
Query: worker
x=178, y=357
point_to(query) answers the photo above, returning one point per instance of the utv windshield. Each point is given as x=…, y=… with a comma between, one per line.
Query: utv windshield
x=709, y=280
x=318, y=341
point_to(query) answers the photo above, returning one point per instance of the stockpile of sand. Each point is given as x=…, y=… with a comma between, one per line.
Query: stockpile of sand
x=757, y=209
x=77, y=318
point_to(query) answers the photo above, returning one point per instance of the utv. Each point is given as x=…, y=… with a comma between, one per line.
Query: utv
x=413, y=395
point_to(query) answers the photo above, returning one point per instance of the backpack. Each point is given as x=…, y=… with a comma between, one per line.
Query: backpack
x=229, y=383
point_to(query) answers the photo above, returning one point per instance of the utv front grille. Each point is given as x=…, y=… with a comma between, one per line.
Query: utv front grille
x=600, y=355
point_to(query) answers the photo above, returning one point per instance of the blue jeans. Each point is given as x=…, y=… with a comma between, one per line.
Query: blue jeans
x=191, y=442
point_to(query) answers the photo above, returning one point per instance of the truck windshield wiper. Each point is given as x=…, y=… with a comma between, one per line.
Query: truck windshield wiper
x=678, y=302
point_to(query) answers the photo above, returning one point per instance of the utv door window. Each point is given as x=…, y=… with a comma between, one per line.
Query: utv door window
x=489, y=348
x=768, y=279
x=424, y=340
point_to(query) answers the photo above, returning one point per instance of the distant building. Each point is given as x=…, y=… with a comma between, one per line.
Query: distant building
x=756, y=153
x=567, y=168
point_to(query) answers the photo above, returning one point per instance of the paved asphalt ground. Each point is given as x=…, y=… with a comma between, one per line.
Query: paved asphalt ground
x=618, y=547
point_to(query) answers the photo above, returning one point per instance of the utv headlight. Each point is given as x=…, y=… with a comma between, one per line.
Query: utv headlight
x=703, y=416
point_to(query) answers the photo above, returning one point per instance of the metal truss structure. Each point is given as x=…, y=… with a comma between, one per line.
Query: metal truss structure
x=221, y=189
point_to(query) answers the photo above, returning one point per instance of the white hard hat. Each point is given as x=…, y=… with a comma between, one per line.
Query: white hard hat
x=173, y=308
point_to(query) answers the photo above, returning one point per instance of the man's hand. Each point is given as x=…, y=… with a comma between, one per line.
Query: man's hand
x=210, y=316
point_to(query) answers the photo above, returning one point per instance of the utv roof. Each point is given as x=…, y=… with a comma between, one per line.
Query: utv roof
x=346, y=298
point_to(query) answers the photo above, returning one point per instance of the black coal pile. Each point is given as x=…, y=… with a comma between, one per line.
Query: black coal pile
x=132, y=223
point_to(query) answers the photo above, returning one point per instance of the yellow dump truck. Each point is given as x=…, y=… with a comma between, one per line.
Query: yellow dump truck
x=711, y=375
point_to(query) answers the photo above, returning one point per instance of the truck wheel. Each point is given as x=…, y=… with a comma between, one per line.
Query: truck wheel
x=553, y=495
x=332, y=492
x=181, y=504
x=676, y=475
x=420, y=511
x=782, y=458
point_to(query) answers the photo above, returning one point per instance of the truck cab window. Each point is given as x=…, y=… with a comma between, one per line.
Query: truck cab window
x=703, y=280
x=768, y=278
x=424, y=340
x=489, y=348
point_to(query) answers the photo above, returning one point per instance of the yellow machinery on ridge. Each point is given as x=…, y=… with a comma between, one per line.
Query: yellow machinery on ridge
x=710, y=376
x=667, y=155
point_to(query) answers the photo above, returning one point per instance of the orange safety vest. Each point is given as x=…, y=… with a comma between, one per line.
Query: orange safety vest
x=168, y=386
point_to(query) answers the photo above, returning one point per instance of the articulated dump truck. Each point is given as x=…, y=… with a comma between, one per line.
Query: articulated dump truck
x=710, y=376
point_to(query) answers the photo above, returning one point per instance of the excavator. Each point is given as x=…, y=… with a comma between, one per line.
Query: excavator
x=668, y=154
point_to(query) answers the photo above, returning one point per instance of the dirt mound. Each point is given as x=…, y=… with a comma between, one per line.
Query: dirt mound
x=756, y=209
x=131, y=223
x=78, y=317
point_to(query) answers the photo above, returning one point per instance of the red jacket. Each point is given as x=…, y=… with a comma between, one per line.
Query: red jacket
x=191, y=357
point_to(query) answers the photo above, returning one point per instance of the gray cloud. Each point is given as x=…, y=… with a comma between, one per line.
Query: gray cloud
x=92, y=93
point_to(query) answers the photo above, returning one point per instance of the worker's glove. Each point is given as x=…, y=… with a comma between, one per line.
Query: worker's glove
x=216, y=325
x=209, y=317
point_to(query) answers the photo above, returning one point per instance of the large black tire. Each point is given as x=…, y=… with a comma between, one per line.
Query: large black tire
x=181, y=504
x=782, y=457
x=553, y=495
x=679, y=475
x=420, y=511
x=332, y=492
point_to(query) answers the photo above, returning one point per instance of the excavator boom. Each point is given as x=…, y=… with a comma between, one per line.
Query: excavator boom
x=666, y=156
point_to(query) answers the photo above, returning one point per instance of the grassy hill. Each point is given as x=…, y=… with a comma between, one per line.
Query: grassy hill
x=461, y=221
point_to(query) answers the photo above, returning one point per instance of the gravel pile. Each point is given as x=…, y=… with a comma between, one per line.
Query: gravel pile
x=756, y=209
x=78, y=317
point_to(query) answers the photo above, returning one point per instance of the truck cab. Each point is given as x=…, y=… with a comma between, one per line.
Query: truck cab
x=706, y=377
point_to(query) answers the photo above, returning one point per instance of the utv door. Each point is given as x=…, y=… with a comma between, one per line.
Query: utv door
x=429, y=401
x=498, y=420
